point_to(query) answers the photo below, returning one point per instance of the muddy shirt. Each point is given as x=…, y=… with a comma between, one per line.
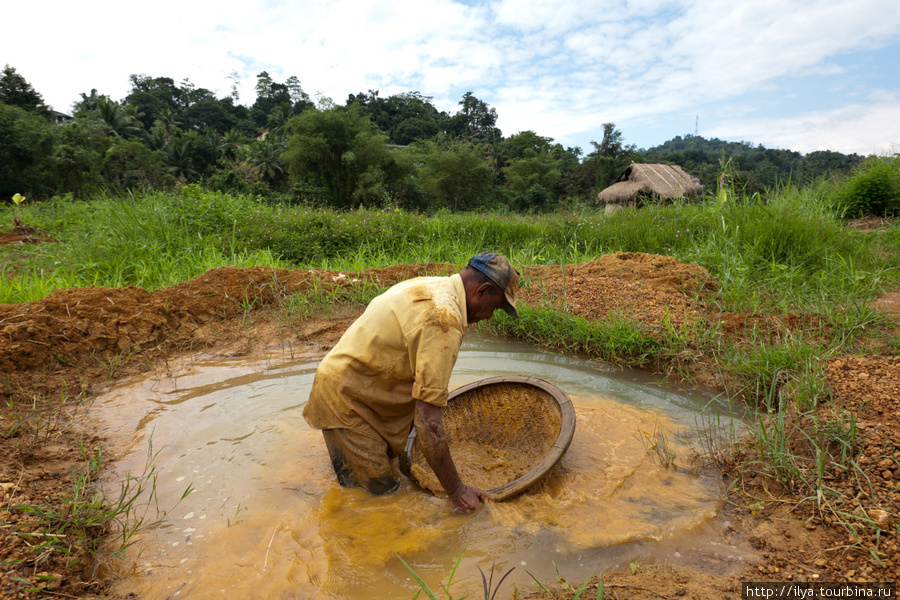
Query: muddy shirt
x=402, y=349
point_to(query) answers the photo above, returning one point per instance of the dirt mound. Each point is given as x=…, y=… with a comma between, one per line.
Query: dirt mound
x=650, y=288
x=71, y=325
x=869, y=388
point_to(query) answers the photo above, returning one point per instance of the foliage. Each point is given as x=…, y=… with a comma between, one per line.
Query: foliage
x=475, y=121
x=16, y=91
x=532, y=169
x=129, y=164
x=26, y=144
x=873, y=189
x=756, y=168
x=86, y=524
x=456, y=177
x=365, y=167
x=343, y=152
x=611, y=155
x=405, y=118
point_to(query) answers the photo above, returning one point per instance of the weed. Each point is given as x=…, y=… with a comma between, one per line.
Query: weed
x=718, y=432
x=85, y=524
x=423, y=587
x=116, y=361
x=490, y=592
x=237, y=510
x=565, y=586
x=656, y=444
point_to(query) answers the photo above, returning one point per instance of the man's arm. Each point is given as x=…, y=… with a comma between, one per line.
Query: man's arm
x=433, y=440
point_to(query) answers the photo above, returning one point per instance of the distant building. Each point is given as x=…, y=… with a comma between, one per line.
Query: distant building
x=60, y=118
x=646, y=181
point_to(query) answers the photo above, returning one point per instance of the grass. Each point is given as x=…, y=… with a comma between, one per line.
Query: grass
x=490, y=590
x=114, y=242
x=85, y=524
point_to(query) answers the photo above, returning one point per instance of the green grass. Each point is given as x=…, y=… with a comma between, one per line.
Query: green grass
x=150, y=241
x=86, y=524
x=784, y=251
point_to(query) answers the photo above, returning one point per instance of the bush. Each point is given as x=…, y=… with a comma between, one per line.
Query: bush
x=874, y=189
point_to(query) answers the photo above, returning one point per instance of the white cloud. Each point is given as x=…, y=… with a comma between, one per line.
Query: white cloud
x=861, y=129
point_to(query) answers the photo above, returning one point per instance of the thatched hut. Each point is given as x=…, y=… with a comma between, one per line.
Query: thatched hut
x=640, y=182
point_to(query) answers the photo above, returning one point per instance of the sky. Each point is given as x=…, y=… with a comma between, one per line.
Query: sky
x=800, y=75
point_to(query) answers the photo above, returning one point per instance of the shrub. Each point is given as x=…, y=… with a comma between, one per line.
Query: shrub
x=874, y=189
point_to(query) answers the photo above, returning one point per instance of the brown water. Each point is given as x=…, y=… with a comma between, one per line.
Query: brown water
x=266, y=518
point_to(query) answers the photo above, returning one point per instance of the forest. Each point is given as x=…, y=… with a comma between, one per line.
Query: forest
x=371, y=151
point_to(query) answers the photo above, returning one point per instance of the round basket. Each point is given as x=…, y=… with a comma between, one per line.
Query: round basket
x=526, y=423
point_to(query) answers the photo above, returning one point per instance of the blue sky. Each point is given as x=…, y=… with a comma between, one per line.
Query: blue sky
x=800, y=75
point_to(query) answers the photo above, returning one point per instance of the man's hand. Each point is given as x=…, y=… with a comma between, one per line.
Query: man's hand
x=433, y=440
x=468, y=498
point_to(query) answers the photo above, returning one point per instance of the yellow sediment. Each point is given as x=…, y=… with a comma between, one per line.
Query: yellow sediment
x=479, y=465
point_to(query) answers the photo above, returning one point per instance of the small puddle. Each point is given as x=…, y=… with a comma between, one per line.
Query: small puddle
x=266, y=517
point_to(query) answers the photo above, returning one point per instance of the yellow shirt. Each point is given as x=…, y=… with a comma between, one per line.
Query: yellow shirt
x=402, y=349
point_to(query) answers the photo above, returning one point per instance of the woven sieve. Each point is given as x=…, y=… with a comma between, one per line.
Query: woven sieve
x=529, y=419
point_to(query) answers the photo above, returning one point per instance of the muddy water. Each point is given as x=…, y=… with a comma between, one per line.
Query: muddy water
x=265, y=517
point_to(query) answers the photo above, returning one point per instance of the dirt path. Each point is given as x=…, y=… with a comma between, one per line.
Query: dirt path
x=75, y=342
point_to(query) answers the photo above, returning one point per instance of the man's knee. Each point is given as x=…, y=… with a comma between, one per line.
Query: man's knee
x=358, y=464
x=383, y=484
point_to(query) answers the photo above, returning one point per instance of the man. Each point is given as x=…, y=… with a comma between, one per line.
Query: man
x=391, y=369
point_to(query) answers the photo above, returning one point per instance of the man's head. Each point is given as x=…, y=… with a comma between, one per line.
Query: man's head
x=491, y=282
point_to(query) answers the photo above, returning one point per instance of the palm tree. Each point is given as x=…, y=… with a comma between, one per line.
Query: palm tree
x=278, y=119
x=179, y=160
x=115, y=120
x=167, y=119
x=265, y=157
x=133, y=114
x=229, y=144
x=158, y=139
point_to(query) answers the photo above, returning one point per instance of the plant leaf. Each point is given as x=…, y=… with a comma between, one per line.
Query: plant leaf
x=419, y=580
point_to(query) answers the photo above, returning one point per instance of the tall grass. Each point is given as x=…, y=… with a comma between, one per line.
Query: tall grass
x=784, y=250
x=151, y=241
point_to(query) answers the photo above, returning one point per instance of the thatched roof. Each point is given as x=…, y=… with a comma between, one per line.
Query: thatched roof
x=665, y=181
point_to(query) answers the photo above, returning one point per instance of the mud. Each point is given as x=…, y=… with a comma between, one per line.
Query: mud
x=75, y=343
x=480, y=465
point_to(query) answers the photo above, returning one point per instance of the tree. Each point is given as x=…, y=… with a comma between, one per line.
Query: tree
x=116, y=120
x=87, y=104
x=15, y=91
x=299, y=98
x=179, y=161
x=457, y=178
x=130, y=164
x=612, y=156
x=518, y=145
x=343, y=152
x=235, y=84
x=278, y=120
x=152, y=95
x=208, y=113
x=535, y=168
x=26, y=142
x=404, y=117
x=270, y=95
x=77, y=155
x=265, y=158
x=475, y=121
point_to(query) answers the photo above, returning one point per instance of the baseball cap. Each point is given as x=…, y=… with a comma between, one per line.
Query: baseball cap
x=501, y=272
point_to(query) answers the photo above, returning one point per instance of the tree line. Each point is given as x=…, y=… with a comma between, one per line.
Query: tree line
x=371, y=150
